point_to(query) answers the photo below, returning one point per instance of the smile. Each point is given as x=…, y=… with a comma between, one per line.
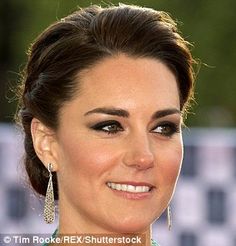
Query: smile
x=129, y=188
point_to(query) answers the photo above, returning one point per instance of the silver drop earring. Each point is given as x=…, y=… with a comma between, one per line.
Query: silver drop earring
x=49, y=206
x=169, y=219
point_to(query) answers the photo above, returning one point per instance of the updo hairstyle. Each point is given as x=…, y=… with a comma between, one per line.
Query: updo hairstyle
x=78, y=42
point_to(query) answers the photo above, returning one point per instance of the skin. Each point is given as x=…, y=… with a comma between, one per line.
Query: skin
x=140, y=151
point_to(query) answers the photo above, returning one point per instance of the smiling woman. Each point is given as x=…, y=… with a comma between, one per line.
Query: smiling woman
x=101, y=104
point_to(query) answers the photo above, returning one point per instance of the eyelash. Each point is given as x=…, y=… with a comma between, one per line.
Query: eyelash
x=101, y=125
x=170, y=128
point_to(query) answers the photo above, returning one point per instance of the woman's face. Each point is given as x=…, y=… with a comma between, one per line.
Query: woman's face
x=119, y=146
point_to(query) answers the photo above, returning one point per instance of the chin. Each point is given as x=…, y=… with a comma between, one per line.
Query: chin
x=132, y=226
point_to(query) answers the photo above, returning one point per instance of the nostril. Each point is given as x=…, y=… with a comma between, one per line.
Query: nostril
x=139, y=161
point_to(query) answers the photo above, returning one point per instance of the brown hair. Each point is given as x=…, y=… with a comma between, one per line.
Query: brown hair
x=79, y=41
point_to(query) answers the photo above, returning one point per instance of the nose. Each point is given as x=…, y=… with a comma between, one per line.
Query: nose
x=139, y=154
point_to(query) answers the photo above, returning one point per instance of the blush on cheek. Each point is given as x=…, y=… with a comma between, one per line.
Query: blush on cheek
x=86, y=157
x=172, y=173
x=170, y=168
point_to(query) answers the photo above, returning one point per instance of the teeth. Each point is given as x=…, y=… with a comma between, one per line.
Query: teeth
x=118, y=187
x=124, y=187
x=128, y=188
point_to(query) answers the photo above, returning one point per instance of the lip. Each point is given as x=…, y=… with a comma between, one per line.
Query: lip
x=133, y=183
x=133, y=196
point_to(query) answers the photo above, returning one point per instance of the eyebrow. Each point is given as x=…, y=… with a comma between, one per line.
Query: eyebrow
x=165, y=112
x=110, y=111
x=123, y=113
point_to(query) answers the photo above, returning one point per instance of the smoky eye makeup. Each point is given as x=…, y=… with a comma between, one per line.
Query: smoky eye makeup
x=166, y=128
x=107, y=126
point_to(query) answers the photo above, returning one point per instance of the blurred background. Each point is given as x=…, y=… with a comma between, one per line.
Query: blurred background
x=204, y=206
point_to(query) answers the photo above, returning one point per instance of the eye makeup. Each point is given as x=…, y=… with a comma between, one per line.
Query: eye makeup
x=108, y=126
x=166, y=128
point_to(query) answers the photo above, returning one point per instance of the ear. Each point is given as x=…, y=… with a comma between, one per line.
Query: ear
x=45, y=144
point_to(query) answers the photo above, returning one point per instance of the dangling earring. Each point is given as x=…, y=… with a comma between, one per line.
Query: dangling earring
x=169, y=219
x=49, y=206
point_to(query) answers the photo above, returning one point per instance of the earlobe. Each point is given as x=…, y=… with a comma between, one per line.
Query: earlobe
x=44, y=143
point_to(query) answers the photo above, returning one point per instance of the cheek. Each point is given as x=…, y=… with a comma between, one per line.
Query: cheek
x=170, y=165
x=86, y=157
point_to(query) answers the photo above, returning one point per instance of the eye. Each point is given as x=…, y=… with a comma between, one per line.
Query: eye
x=166, y=129
x=110, y=127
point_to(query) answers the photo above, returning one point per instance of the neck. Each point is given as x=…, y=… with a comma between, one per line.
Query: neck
x=145, y=237
x=70, y=222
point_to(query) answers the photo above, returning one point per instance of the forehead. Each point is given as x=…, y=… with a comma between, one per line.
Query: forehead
x=123, y=75
x=129, y=83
